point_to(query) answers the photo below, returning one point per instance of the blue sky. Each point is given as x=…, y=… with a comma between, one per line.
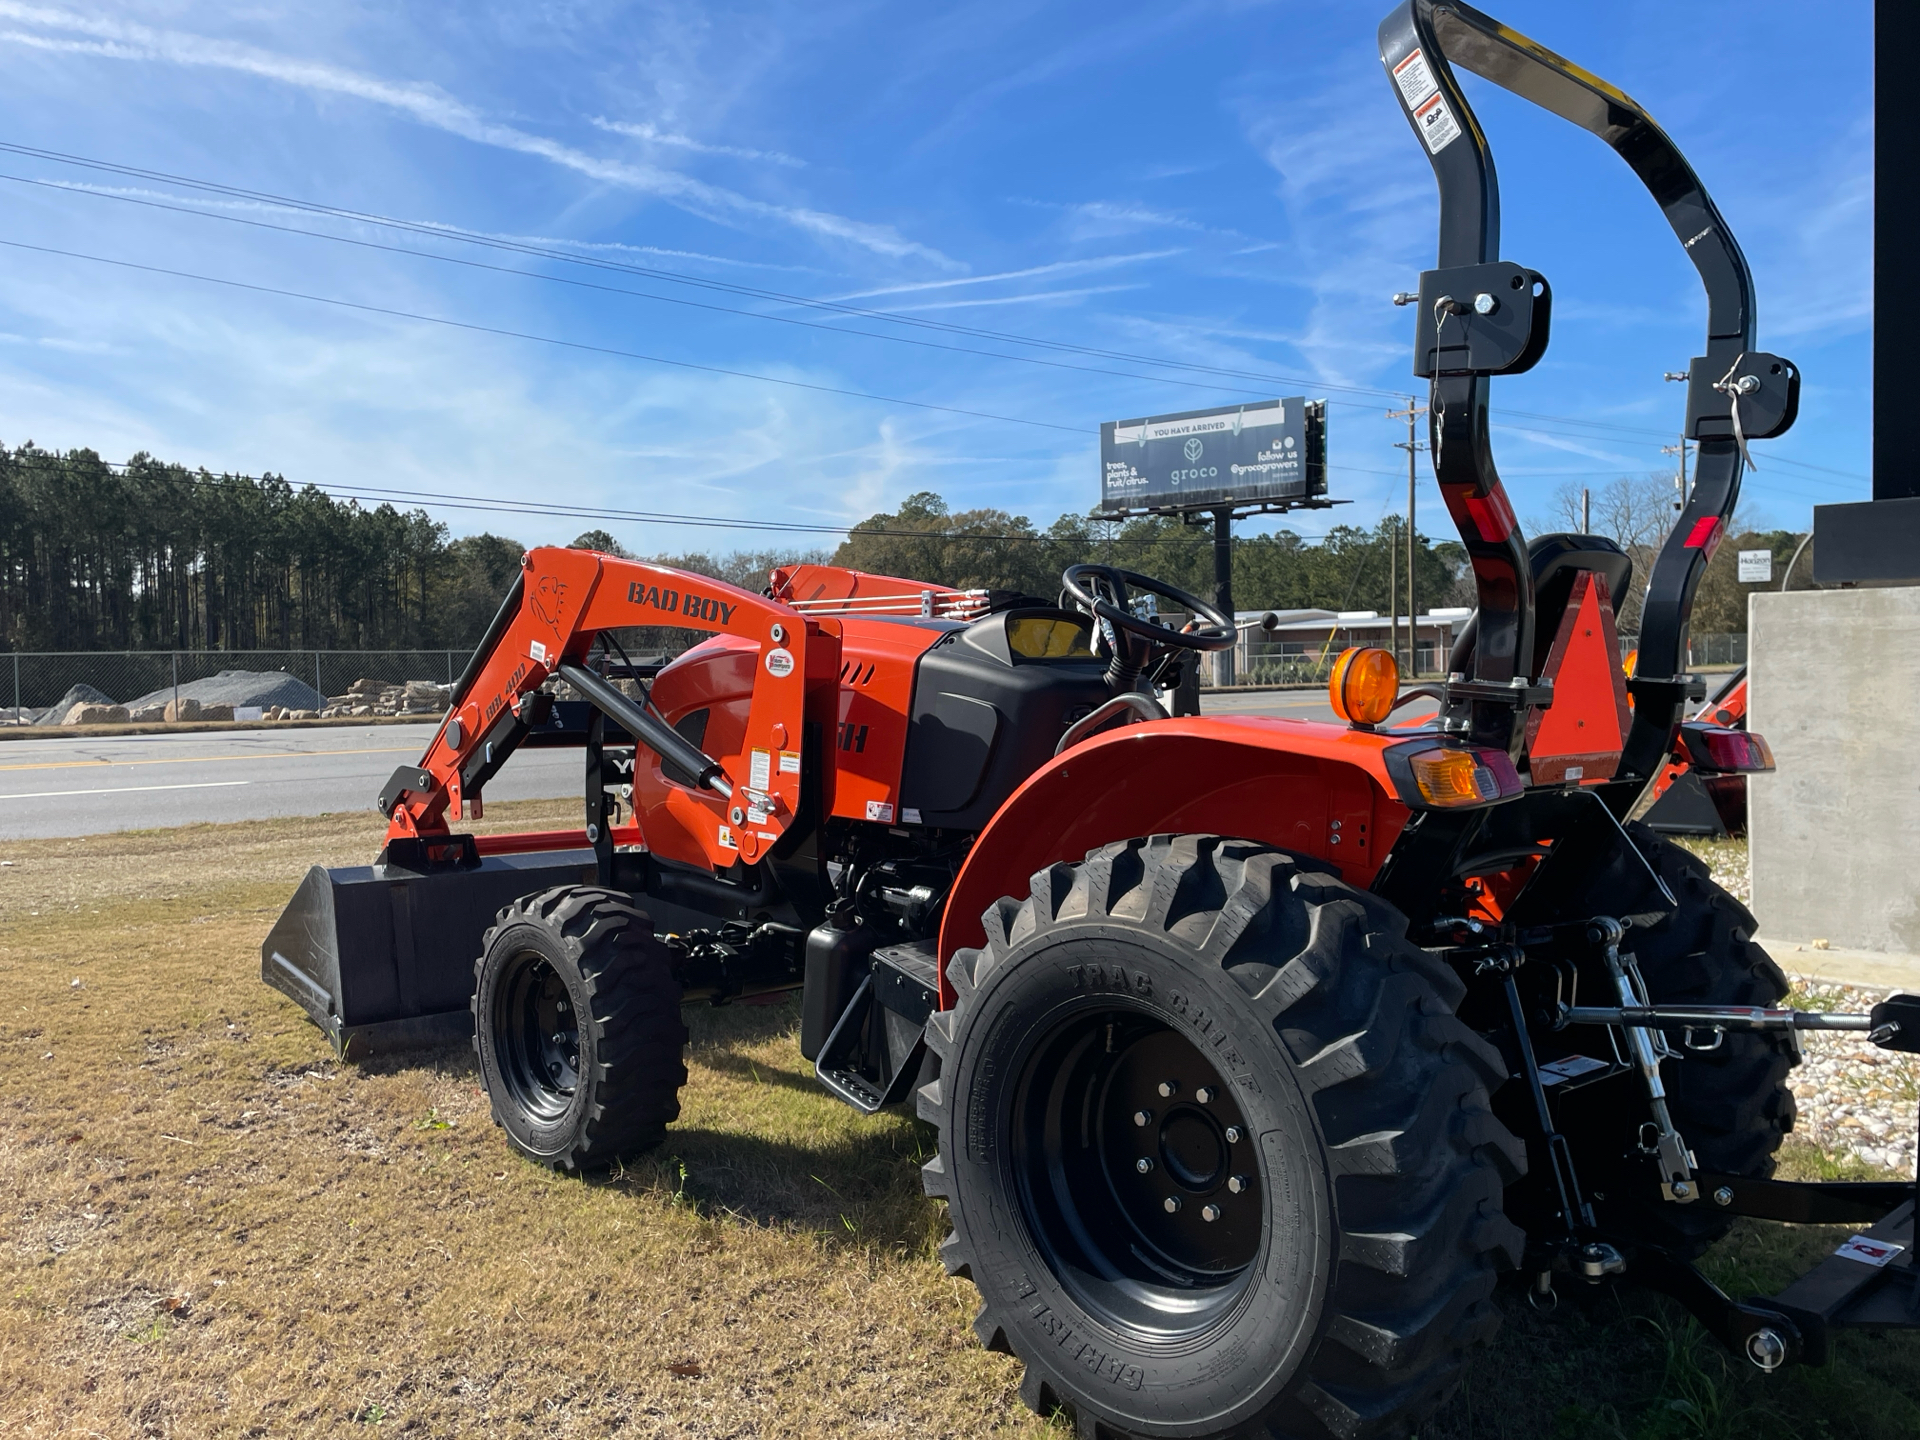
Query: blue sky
x=1227, y=185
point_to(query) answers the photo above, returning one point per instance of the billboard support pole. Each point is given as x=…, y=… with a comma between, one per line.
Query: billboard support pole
x=1223, y=590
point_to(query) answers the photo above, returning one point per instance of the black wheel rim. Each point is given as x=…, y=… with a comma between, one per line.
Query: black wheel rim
x=536, y=1036
x=1139, y=1182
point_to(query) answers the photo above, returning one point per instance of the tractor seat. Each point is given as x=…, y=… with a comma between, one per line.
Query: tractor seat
x=1556, y=560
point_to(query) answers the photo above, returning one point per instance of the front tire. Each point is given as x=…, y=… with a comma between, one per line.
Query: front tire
x=576, y=1020
x=1298, y=1235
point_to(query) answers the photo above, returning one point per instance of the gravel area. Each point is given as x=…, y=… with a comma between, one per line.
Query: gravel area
x=1854, y=1097
x=1727, y=860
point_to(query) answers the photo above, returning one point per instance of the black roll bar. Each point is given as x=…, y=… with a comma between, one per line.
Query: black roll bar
x=1445, y=33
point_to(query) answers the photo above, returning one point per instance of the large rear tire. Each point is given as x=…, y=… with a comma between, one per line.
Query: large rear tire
x=1216, y=1151
x=1731, y=1104
x=576, y=1020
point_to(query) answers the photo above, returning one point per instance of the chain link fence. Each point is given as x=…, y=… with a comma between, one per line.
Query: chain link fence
x=35, y=683
x=1278, y=662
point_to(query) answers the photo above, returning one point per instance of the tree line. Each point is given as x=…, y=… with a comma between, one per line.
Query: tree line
x=153, y=555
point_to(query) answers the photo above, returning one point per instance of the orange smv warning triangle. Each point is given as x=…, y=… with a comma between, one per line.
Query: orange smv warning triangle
x=1580, y=736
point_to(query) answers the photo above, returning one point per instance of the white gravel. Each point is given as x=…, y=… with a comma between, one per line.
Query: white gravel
x=1854, y=1097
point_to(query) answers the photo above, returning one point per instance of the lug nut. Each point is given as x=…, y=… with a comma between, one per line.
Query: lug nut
x=1206, y=1094
x=1169, y=1089
x=1237, y=1183
x=1171, y=1204
x=1143, y=1118
x=1233, y=1134
x=1143, y=1164
x=1209, y=1213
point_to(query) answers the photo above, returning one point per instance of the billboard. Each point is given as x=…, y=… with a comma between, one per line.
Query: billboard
x=1271, y=450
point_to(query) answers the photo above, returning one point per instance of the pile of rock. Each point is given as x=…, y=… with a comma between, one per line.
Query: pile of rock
x=384, y=697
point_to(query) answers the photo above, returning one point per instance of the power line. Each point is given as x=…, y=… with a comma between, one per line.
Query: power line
x=452, y=501
x=622, y=290
x=524, y=247
x=541, y=339
x=448, y=232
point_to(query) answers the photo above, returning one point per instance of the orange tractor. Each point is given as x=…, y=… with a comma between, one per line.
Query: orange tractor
x=1256, y=1048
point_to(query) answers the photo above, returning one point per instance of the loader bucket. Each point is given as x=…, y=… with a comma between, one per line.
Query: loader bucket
x=381, y=956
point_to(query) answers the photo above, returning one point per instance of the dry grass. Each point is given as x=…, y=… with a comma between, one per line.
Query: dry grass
x=208, y=1227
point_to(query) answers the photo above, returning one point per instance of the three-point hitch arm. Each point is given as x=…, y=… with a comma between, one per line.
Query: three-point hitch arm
x=1480, y=317
x=739, y=804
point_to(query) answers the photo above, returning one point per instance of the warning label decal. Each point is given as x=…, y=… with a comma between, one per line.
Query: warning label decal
x=1437, y=125
x=760, y=769
x=1415, y=80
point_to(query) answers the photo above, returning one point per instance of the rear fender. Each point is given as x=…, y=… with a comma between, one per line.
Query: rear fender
x=1313, y=788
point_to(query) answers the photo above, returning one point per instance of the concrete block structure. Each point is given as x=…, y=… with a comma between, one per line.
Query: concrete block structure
x=1835, y=832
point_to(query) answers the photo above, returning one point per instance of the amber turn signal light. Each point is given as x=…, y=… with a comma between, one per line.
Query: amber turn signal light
x=1451, y=777
x=1364, y=684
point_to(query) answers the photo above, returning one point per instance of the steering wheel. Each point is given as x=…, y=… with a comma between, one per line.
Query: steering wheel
x=1136, y=642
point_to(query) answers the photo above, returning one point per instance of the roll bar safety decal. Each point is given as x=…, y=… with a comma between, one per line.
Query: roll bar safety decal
x=1437, y=125
x=1415, y=78
x=1424, y=102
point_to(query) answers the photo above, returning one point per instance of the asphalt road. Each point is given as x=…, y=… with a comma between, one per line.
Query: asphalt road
x=52, y=788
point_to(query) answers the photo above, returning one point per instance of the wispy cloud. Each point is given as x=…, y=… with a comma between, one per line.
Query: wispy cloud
x=654, y=135
x=219, y=205
x=1058, y=267
x=1098, y=44
x=1110, y=213
x=1574, y=446
x=430, y=105
x=1028, y=298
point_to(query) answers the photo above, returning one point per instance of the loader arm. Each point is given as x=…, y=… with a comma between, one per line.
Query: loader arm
x=742, y=802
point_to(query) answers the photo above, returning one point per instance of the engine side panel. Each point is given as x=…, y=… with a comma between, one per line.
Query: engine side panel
x=878, y=659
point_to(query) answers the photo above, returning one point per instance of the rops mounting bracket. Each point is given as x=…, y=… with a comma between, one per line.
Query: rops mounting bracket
x=1489, y=319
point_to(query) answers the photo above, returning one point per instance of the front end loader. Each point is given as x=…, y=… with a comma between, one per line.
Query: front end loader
x=1257, y=1049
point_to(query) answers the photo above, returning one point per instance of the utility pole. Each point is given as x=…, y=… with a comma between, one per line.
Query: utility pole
x=1586, y=511
x=1678, y=377
x=1680, y=475
x=1412, y=445
x=1393, y=589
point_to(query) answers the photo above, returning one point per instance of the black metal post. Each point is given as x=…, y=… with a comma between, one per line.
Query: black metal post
x=1223, y=589
x=1877, y=542
x=1896, y=305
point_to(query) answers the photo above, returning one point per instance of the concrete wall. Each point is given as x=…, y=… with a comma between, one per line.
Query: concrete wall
x=1835, y=689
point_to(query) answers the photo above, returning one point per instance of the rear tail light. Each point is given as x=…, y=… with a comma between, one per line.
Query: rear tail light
x=1714, y=749
x=1451, y=777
